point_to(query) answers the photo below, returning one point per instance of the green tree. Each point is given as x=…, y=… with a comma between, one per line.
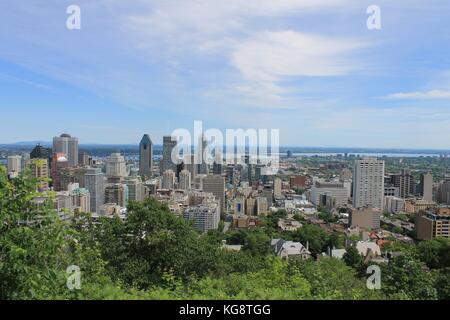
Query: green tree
x=405, y=277
x=257, y=243
x=352, y=258
x=435, y=253
x=317, y=238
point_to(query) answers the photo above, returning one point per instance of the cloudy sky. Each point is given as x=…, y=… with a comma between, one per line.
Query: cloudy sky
x=310, y=68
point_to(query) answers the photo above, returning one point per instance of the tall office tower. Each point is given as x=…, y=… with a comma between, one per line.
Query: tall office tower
x=25, y=160
x=443, y=192
x=217, y=168
x=249, y=171
x=230, y=174
x=404, y=181
x=67, y=145
x=215, y=184
x=84, y=159
x=95, y=183
x=191, y=166
x=39, y=152
x=243, y=173
x=426, y=186
x=185, y=180
x=168, y=180
x=169, y=143
x=146, y=157
x=116, y=167
x=218, y=161
x=204, y=216
x=368, y=183
x=81, y=200
x=39, y=170
x=277, y=185
x=14, y=164
x=116, y=193
x=202, y=165
x=135, y=189
x=59, y=163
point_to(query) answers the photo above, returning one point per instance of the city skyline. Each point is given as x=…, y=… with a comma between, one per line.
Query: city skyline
x=309, y=68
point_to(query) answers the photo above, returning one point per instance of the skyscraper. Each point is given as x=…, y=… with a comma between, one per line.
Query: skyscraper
x=39, y=152
x=426, y=186
x=95, y=183
x=368, y=183
x=39, y=170
x=146, y=156
x=185, y=180
x=116, y=193
x=169, y=143
x=59, y=163
x=215, y=184
x=202, y=165
x=404, y=181
x=68, y=145
x=168, y=180
x=14, y=164
x=135, y=189
x=116, y=166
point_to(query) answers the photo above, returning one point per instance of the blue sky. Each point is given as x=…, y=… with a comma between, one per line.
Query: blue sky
x=310, y=68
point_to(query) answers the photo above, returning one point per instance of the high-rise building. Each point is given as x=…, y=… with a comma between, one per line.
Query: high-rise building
x=215, y=184
x=190, y=165
x=81, y=200
x=168, y=180
x=95, y=183
x=185, y=180
x=39, y=152
x=116, y=193
x=230, y=174
x=368, y=183
x=116, y=166
x=335, y=190
x=404, y=181
x=443, y=191
x=426, y=186
x=14, y=164
x=39, y=170
x=201, y=148
x=217, y=165
x=169, y=144
x=433, y=224
x=205, y=216
x=135, y=189
x=84, y=159
x=146, y=157
x=59, y=163
x=277, y=185
x=69, y=146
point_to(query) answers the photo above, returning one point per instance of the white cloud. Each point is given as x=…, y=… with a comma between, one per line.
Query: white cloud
x=419, y=95
x=272, y=57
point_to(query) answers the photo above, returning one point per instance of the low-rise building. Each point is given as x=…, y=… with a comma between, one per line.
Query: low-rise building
x=289, y=249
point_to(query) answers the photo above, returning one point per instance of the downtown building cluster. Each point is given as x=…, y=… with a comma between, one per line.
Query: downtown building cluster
x=363, y=196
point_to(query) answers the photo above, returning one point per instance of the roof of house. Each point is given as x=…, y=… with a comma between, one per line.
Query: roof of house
x=290, y=247
x=363, y=248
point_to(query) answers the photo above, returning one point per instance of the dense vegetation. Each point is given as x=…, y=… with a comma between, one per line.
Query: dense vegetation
x=155, y=255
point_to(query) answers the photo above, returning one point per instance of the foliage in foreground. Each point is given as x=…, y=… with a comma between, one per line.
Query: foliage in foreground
x=155, y=255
